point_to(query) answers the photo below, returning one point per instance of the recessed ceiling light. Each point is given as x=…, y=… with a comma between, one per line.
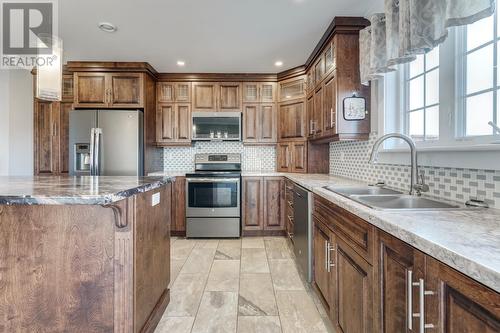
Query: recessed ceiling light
x=181, y=63
x=107, y=27
x=278, y=63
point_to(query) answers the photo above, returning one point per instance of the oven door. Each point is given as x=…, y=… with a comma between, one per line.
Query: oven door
x=213, y=197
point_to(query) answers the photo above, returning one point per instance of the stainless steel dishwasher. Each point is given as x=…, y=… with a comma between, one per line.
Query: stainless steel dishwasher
x=303, y=226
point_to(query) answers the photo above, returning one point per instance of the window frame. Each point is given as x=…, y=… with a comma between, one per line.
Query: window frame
x=406, y=101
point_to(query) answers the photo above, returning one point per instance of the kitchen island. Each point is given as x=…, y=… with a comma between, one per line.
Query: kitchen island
x=84, y=254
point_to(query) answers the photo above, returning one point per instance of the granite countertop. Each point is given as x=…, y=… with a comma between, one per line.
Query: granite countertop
x=467, y=240
x=67, y=190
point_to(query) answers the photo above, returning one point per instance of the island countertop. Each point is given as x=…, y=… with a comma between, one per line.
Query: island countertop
x=74, y=190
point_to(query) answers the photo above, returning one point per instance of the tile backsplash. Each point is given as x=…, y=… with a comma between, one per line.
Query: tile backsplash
x=254, y=158
x=350, y=159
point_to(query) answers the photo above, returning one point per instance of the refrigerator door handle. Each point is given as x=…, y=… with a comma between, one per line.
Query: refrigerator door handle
x=98, y=133
x=92, y=151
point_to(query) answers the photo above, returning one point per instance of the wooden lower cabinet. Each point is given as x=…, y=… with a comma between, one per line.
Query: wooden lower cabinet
x=386, y=296
x=179, y=207
x=289, y=213
x=262, y=205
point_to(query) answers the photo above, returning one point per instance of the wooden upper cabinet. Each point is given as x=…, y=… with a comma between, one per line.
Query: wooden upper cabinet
x=165, y=123
x=283, y=156
x=170, y=92
x=399, y=265
x=292, y=120
x=273, y=203
x=91, y=90
x=292, y=89
x=268, y=123
x=229, y=96
x=173, y=123
x=204, y=96
x=257, y=92
x=251, y=92
x=330, y=105
x=317, y=113
x=252, y=203
x=126, y=90
x=299, y=157
x=108, y=90
x=329, y=57
x=251, y=123
x=67, y=88
x=310, y=115
x=319, y=70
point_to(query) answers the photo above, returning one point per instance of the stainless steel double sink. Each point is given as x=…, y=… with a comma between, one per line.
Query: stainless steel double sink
x=382, y=198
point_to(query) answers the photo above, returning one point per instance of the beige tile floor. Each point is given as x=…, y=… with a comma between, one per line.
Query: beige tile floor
x=246, y=285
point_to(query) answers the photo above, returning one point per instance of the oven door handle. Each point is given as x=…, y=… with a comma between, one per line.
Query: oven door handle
x=212, y=180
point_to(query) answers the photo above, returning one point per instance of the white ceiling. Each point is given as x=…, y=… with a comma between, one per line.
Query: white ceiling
x=211, y=36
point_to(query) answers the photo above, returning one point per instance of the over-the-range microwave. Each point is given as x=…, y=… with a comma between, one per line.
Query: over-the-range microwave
x=216, y=126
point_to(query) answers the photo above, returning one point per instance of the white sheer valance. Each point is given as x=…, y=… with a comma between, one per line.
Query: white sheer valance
x=412, y=27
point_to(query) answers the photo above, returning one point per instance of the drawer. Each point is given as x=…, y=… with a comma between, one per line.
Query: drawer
x=358, y=233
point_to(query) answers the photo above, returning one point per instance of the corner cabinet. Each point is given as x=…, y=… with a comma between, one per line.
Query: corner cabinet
x=263, y=206
x=108, y=90
x=370, y=281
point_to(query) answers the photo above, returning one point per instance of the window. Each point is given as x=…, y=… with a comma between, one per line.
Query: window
x=479, y=58
x=422, y=97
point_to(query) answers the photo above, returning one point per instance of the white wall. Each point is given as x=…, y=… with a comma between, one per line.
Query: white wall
x=4, y=122
x=16, y=123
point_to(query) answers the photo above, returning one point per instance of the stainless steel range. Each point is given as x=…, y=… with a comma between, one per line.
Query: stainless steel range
x=213, y=196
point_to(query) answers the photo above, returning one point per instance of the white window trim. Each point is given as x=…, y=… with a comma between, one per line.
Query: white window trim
x=451, y=150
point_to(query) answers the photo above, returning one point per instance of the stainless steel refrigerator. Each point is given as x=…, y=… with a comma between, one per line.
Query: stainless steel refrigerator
x=106, y=143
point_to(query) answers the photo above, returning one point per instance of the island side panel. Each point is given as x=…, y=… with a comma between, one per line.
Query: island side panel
x=151, y=257
x=56, y=268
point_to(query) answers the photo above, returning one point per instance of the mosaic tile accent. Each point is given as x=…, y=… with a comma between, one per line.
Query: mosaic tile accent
x=447, y=183
x=254, y=158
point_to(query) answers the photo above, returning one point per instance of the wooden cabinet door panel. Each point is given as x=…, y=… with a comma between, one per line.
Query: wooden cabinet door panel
x=292, y=120
x=310, y=115
x=165, y=122
x=330, y=105
x=252, y=203
x=183, y=92
x=229, y=97
x=299, y=157
x=204, y=96
x=251, y=92
x=126, y=90
x=267, y=92
x=267, y=123
x=64, y=137
x=459, y=304
x=353, y=311
x=46, y=141
x=284, y=157
x=397, y=263
x=317, y=115
x=67, y=88
x=321, y=245
x=179, y=205
x=91, y=90
x=183, y=122
x=272, y=203
x=165, y=92
x=250, y=123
